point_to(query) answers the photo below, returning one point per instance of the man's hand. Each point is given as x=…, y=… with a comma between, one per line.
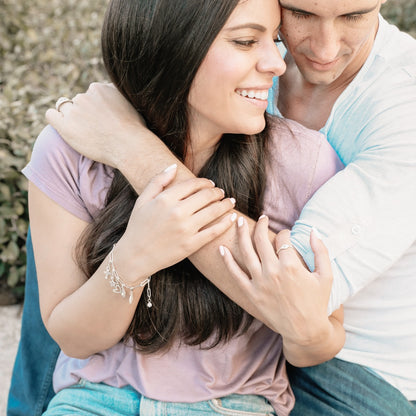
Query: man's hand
x=103, y=126
x=91, y=123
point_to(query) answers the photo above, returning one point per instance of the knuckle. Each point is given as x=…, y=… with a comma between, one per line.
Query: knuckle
x=161, y=200
x=187, y=246
x=271, y=271
x=211, y=233
x=176, y=215
x=283, y=237
x=289, y=267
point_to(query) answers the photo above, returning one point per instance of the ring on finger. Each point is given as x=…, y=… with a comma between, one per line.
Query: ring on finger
x=61, y=101
x=283, y=247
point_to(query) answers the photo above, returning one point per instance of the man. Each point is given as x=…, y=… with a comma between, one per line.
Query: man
x=352, y=76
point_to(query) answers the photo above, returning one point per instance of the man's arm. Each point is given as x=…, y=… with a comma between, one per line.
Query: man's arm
x=366, y=212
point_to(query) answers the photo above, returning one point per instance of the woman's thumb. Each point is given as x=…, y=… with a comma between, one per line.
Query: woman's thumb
x=159, y=182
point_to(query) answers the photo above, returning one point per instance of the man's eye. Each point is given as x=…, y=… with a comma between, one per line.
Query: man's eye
x=353, y=17
x=300, y=15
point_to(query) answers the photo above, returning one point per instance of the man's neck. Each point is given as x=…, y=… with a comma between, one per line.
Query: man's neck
x=311, y=104
x=306, y=103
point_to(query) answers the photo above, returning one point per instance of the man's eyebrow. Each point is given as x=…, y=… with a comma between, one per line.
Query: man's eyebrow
x=254, y=26
x=296, y=9
x=293, y=8
x=362, y=11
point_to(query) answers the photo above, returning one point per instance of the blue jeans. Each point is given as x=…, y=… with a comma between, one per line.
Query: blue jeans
x=86, y=399
x=31, y=384
x=339, y=388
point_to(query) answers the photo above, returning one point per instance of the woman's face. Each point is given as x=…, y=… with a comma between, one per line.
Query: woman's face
x=229, y=92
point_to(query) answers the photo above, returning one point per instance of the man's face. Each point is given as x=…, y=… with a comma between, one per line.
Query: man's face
x=329, y=39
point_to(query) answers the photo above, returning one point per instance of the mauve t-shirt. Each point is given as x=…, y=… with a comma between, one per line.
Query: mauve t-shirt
x=301, y=161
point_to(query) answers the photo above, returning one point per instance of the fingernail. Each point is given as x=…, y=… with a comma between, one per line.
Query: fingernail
x=262, y=216
x=213, y=183
x=233, y=216
x=317, y=233
x=240, y=221
x=222, y=251
x=171, y=167
x=232, y=200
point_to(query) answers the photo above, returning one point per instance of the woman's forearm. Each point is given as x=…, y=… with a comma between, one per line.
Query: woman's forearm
x=93, y=318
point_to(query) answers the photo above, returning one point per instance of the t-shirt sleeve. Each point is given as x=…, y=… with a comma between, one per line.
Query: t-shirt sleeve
x=302, y=160
x=327, y=164
x=54, y=168
x=310, y=160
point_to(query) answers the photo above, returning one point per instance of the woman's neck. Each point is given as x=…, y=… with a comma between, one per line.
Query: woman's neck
x=199, y=151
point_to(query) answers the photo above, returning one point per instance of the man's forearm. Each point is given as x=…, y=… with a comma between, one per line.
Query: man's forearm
x=152, y=157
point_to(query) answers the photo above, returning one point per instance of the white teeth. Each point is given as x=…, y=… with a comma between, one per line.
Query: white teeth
x=259, y=95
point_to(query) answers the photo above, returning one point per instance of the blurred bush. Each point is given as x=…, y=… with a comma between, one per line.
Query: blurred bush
x=48, y=49
x=401, y=13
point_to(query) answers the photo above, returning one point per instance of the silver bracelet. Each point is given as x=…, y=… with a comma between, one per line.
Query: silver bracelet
x=119, y=286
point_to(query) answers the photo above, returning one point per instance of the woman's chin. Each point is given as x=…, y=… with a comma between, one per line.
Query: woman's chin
x=255, y=127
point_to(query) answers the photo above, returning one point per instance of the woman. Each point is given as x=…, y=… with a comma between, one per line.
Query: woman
x=198, y=72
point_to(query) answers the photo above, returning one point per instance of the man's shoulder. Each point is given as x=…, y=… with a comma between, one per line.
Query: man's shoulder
x=394, y=47
x=388, y=77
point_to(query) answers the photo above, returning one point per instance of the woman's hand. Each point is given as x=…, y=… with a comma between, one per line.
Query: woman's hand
x=169, y=224
x=291, y=300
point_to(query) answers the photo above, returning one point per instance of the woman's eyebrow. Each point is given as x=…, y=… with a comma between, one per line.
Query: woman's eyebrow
x=254, y=26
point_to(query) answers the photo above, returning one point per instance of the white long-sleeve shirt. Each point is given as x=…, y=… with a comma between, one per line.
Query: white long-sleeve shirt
x=367, y=212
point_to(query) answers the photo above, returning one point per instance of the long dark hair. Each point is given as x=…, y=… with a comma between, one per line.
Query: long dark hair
x=152, y=50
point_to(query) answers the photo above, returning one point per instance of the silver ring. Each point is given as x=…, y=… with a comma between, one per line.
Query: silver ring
x=61, y=101
x=283, y=247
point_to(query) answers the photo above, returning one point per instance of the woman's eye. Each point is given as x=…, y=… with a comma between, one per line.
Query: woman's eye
x=245, y=43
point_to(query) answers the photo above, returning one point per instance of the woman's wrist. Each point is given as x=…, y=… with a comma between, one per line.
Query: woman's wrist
x=129, y=264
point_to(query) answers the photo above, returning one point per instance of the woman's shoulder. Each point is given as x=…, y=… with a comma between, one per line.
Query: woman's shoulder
x=304, y=156
x=73, y=181
x=50, y=152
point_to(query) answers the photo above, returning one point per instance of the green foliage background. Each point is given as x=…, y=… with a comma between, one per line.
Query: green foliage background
x=48, y=49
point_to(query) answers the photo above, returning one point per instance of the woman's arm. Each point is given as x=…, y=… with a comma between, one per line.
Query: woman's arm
x=83, y=315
